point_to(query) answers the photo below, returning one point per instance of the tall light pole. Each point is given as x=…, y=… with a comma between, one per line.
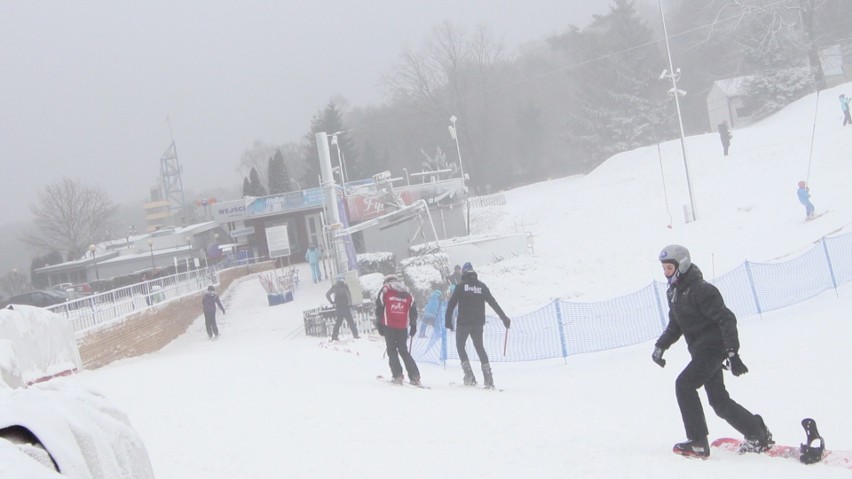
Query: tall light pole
x=675, y=75
x=343, y=174
x=151, y=249
x=454, y=134
x=92, y=248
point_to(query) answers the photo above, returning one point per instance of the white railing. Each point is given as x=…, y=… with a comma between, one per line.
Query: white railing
x=98, y=309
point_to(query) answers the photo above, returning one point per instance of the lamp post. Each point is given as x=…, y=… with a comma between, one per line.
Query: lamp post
x=151, y=249
x=92, y=248
x=343, y=174
x=674, y=75
x=455, y=136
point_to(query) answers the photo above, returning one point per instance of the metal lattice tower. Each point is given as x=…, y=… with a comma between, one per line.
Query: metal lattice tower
x=170, y=170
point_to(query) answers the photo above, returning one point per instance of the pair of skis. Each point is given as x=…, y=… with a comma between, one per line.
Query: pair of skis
x=421, y=386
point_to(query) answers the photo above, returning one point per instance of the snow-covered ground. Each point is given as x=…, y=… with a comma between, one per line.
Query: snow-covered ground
x=265, y=401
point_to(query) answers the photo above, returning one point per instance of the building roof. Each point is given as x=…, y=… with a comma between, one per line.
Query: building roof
x=735, y=86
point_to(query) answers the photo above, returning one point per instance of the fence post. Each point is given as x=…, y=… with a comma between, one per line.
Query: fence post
x=753, y=289
x=830, y=267
x=561, y=328
x=663, y=320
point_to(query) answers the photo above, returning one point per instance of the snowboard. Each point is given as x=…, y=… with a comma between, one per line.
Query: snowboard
x=811, y=452
x=404, y=383
x=815, y=216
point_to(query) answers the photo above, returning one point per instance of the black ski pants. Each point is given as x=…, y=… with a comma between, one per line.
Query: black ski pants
x=210, y=323
x=705, y=369
x=475, y=333
x=344, y=313
x=395, y=340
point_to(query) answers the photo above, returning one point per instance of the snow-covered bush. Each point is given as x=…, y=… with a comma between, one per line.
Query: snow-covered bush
x=376, y=263
x=424, y=274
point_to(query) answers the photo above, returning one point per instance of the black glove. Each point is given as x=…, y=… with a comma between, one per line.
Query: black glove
x=380, y=328
x=735, y=364
x=657, y=357
x=507, y=322
x=449, y=324
x=413, y=330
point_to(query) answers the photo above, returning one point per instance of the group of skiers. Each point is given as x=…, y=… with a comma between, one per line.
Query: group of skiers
x=396, y=314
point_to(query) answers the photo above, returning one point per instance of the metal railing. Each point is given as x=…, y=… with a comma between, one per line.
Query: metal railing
x=99, y=309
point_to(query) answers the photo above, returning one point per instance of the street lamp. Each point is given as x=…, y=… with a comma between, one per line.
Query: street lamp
x=455, y=136
x=151, y=249
x=674, y=75
x=343, y=174
x=92, y=248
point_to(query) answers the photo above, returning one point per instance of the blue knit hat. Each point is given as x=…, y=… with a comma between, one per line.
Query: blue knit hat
x=467, y=267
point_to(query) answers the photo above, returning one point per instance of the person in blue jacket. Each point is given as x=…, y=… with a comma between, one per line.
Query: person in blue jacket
x=312, y=256
x=844, y=107
x=804, y=194
x=430, y=313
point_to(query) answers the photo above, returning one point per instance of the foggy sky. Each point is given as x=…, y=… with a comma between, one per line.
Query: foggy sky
x=86, y=86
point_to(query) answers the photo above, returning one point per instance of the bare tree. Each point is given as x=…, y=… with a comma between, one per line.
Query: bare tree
x=69, y=216
x=13, y=283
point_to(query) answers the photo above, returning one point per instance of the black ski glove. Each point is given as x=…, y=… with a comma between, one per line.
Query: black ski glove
x=449, y=324
x=657, y=357
x=735, y=364
x=413, y=330
x=506, y=322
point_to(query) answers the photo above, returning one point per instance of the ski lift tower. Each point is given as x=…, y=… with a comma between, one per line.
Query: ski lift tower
x=170, y=170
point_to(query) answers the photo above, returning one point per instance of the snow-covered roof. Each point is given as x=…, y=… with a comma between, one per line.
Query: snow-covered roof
x=735, y=86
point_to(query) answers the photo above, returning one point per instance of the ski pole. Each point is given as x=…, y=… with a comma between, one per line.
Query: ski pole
x=505, y=342
x=410, y=342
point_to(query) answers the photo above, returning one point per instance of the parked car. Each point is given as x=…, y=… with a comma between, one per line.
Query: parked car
x=41, y=298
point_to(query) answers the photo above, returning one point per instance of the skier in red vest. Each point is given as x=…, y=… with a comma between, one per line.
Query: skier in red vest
x=396, y=318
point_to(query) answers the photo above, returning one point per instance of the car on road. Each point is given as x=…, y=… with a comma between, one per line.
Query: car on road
x=41, y=298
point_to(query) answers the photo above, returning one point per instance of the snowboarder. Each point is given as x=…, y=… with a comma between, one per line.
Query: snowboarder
x=342, y=301
x=844, y=107
x=430, y=313
x=312, y=256
x=470, y=296
x=725, y=135
x=804, y=194
x=396, y=315
x=209, y=301
x=698, y=313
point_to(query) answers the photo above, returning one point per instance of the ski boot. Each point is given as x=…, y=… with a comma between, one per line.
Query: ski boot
x=469, y=378
x=759, y=441
x=415, y=382
x=693, y=448
x=488, y=379
x=398, y=380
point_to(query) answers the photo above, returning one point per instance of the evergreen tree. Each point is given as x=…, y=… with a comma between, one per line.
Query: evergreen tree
x=618, y=88
x=329, y=120
x=279, y=178
x=247, y=191
x=257, y=188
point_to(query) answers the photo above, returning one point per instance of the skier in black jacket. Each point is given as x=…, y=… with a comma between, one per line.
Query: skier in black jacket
x=698, y=313
x=471, y=296
x=341, y=298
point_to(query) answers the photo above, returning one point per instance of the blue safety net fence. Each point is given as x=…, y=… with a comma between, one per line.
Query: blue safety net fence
x=563, y=328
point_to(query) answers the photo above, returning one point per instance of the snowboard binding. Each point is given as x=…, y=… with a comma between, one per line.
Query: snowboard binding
x=811, y=453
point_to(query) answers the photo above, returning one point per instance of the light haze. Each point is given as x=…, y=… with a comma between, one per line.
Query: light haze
x=87, y=87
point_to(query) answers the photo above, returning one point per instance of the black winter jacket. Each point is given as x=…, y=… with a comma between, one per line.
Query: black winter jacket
x=698, y=313
x=342, y=298
x=471, y=295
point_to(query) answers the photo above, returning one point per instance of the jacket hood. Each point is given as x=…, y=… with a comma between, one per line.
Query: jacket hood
x=396, y=286
x=469, y=276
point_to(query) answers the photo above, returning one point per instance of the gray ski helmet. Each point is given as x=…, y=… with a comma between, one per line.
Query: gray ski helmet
x=677, y=255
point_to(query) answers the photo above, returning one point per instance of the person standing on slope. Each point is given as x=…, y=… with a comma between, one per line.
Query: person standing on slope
x=396, y=315
x=804, y=194
x=470, y=296
x=698, y=313
x=209, y=301
x=339, y=296
x=312, y=256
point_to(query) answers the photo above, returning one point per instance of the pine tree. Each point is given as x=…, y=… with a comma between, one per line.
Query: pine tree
x=247, y=191
x=279, y=178
x=257, y=188
x=329, y=120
